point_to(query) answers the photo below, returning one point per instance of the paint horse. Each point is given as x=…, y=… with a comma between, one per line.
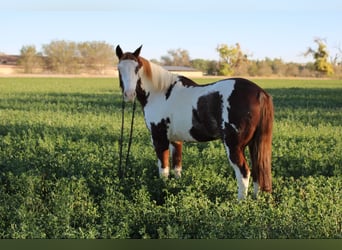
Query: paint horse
x=176, y=109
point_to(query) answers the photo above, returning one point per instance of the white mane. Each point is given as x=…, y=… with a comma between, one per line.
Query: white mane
x=155, y=77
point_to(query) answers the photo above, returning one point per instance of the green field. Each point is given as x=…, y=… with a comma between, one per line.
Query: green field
x=59, y=168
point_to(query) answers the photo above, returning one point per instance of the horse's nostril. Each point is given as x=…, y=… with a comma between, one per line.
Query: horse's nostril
x=129, y=95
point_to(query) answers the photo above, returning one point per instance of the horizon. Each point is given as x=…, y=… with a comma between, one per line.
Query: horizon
x=264, y=29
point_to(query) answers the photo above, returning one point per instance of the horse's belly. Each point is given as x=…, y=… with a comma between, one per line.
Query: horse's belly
x=179, y=130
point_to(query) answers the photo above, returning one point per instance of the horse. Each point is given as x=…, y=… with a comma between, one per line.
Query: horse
x=177, y=110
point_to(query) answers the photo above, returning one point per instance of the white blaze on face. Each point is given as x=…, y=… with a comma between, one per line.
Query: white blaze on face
x=129, y=77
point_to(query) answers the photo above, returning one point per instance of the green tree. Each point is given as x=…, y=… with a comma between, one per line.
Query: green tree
x=231, y=58
x=321, y=56
x=208, y=67
x=29, y=58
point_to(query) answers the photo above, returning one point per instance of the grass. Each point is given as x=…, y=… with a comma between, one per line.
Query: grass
x=59, y=168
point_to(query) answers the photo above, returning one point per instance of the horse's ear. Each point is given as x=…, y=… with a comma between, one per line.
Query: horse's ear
x=119, y=52
x=137, y=51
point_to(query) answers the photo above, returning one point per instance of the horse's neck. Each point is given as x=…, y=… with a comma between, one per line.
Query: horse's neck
x=158, y=79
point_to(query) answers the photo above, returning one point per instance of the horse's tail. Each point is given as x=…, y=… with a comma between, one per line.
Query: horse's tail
x=261, y=145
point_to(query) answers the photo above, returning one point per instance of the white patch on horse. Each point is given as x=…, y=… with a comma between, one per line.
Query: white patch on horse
x=163, y=172
x=178, y=108
x=178, y=172
x=226, y=94
x=242, y=182
x=177, y=168
x=256, y=188
x=161, y=79
x=129, y=78
x=234, y=127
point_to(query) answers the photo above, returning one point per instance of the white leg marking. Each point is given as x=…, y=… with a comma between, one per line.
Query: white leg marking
x=163, y=172
x=256, y=189
x=241, y=181
x=178, y=171
x=234, y=127
x=177, y=168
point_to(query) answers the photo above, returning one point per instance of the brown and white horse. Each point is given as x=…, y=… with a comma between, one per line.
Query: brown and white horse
x=176, y=109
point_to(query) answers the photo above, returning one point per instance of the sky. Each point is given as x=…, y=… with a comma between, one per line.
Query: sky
x=263, y=28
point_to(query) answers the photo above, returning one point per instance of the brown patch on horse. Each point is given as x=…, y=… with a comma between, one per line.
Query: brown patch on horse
x=165, y=155
x=255, y=117
x=188, y=82
x=169, y=90
x=128, y=56
x=142, y=95
x=207, y=117
x=160, y=140
x=146, y=67
x=177, y=154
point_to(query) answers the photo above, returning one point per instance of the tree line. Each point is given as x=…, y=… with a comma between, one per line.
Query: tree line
x=67, y=57
x=233, y=61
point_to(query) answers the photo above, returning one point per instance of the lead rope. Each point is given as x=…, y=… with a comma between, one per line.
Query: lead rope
x=121, y=137
x=122, y=171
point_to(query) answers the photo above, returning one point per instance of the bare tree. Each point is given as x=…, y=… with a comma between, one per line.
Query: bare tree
x=178, y=57
x=29, y=58
x=62, y=56
x=336, y=60
x=96, y=55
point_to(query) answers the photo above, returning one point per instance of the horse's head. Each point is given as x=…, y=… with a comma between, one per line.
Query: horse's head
x=129, y=65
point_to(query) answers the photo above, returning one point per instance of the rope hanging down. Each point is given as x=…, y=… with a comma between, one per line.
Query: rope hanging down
x=122, y=170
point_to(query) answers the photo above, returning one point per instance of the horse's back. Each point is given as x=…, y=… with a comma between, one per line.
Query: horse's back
x=200, y=112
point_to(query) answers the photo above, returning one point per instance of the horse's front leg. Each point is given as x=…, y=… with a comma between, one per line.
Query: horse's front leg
x=162, y=150
x=161, y=145
x=177, y=157
x=163, y=163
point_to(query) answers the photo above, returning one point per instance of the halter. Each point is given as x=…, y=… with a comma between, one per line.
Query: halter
x=122, y=170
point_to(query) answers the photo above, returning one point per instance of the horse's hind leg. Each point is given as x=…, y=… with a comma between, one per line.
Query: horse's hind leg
x=238, y=161
x=252, y=151
x=177, y=158
x=242, y=173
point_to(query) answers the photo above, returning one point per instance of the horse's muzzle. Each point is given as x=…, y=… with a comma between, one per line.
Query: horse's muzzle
x=129, y=95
